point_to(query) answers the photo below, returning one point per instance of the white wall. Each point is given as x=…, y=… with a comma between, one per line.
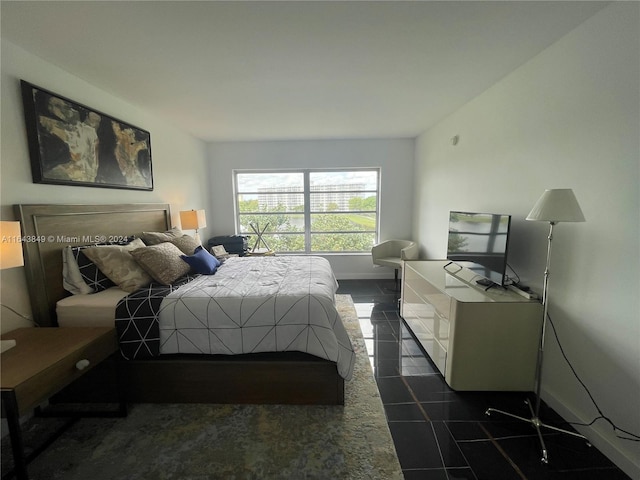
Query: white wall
x=394, y=157
x=569, y=118
x=178, y=159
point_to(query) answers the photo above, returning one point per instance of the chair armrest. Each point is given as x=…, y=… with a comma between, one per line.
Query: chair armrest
x=380, y=250
x=410, y=253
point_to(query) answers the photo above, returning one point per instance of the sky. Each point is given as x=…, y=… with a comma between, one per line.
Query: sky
x=251, y=182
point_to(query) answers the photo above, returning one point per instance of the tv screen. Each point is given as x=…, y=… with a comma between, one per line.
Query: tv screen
x=479, y=242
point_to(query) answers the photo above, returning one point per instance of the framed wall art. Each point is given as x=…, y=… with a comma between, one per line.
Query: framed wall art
x=72, y=144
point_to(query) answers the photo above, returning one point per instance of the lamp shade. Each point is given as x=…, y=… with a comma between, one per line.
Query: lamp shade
x=193, y=219
x=11, y=246
x=557, y=205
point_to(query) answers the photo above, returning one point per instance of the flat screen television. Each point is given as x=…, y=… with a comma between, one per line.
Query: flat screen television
x=479, y=242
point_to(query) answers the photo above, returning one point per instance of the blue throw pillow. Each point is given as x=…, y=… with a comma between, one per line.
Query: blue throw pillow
x=202, y=261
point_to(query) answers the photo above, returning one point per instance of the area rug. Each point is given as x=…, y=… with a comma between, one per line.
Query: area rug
x=202, y=442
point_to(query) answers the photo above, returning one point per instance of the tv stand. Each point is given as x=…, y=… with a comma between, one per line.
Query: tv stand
x=478, y=339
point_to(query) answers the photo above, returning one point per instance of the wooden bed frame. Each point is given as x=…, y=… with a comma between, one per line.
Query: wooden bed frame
x=288, y=377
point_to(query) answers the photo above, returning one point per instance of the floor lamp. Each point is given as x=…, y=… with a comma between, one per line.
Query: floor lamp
x=559, y=205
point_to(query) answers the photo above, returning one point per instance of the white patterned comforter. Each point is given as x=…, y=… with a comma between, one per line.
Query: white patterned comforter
x=259, y=304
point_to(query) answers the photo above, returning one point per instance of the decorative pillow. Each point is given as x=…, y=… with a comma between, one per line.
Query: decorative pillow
x=154, y=238
x=186, y=244
x=116, y=262
x=162, y=262
x=80, y=276
x=202, y=261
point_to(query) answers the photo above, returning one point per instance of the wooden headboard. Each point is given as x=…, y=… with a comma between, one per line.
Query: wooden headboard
x=47, y=229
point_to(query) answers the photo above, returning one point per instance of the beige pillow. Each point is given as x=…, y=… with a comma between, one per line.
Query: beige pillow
x=186, y=244
x=116, y=262
x=154, y=238
x=162, y=262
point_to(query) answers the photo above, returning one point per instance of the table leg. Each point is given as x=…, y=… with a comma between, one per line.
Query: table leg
x=15, y=433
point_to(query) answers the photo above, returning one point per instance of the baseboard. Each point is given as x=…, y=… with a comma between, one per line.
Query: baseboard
x=598, y=439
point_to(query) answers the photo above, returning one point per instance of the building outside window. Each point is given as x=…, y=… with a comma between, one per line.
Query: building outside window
x=309, y=211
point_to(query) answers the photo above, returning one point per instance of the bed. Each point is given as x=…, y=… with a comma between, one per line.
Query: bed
x=250, y=373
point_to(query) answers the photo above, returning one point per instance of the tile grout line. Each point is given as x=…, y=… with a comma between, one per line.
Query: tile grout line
x=502, y=452
x=415, y=398
x=461, y=452
x=435, y=437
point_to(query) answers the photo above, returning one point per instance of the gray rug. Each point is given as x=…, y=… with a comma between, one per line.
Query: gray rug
x=202, y=442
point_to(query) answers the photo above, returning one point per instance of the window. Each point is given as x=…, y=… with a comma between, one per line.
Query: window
x=309, y=211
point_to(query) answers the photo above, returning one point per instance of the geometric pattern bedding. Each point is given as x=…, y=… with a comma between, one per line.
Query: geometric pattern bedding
x=137, y=321
x=259, y=304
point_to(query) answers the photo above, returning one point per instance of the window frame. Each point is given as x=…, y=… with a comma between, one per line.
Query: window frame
x=307, y=212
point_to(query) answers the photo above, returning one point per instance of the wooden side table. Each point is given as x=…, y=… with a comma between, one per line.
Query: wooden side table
x=44, y=361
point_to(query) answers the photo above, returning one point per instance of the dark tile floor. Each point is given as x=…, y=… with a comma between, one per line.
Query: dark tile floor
x=441, y=434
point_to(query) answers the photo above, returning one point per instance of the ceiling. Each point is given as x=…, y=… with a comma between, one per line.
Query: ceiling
x=292, y=70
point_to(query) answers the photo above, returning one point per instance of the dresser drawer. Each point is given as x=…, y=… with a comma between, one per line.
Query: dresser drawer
x=441, y=327
x=423, y=331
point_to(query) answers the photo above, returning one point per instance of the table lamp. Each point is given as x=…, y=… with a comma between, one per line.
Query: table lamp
x=10, y=257
x=11, y=245
x=193, y=220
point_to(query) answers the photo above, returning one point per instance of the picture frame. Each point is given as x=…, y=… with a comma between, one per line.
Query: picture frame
x=72, y=144
x=219, y=251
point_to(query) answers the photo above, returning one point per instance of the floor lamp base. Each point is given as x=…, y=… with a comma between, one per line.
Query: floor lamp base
x=538, y=425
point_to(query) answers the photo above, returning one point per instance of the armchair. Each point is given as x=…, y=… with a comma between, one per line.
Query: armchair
x=391, y=253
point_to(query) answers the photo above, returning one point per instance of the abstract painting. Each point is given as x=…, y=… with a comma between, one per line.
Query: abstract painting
x=72, y=144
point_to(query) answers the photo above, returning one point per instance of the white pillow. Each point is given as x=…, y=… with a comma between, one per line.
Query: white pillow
x=72, y=280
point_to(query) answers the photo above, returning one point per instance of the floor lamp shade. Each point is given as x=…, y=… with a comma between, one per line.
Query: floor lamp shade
x=557, y=205
x=11, y=246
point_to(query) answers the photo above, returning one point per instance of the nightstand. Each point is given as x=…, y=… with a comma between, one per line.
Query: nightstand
x=44, y=361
